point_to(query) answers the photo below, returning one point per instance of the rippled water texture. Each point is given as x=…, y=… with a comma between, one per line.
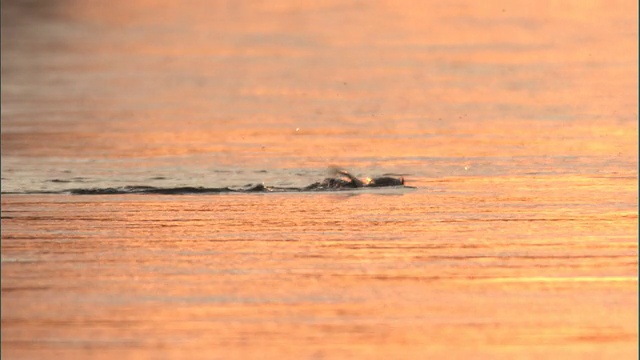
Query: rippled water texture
x=132, y=130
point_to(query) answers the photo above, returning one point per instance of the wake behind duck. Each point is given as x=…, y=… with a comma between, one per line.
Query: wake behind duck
x=340, y=179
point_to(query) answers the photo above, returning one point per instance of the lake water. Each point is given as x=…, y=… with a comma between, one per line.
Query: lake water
x=514, y=124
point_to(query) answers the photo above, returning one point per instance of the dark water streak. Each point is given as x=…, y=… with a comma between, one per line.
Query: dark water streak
x=187, y=190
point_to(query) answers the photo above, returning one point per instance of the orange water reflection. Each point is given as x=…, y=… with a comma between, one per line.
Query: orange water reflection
x=502, y=266
x=237, y=79
x=529, y=261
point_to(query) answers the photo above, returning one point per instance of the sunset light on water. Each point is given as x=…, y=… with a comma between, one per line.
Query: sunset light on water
x=164, y=192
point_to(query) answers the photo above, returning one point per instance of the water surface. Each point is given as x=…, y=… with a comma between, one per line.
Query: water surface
x=515, y=124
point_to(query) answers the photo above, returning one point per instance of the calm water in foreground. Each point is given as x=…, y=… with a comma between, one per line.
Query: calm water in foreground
x=516, y=125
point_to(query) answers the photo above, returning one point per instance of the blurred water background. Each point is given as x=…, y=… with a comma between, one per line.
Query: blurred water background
x=516, y=122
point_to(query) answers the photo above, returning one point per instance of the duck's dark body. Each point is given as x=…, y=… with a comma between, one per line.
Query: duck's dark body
x=386, y=181
x=353, y=182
